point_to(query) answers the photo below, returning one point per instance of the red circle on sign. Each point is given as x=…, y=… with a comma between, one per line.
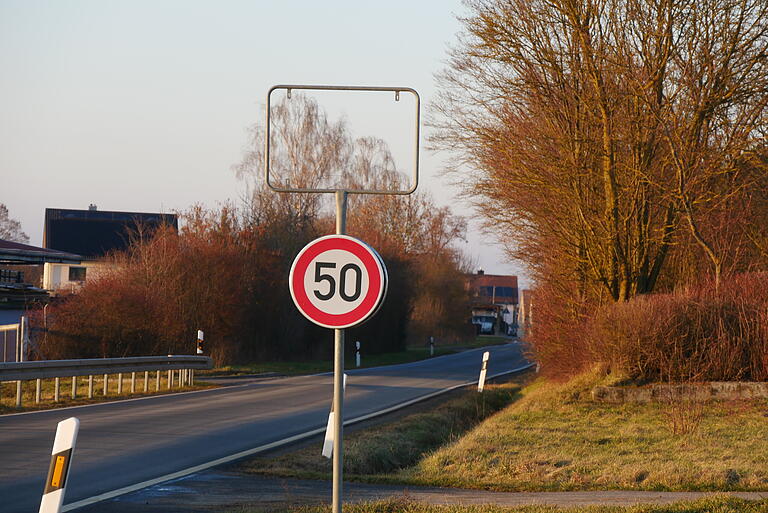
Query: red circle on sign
x=372, y=264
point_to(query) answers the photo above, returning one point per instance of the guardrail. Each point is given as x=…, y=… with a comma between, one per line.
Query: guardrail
x=57, y=369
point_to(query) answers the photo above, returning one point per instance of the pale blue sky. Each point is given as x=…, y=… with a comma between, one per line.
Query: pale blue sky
x=143, y=105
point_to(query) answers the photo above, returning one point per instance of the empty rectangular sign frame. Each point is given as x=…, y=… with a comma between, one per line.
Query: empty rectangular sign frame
x=414, y=176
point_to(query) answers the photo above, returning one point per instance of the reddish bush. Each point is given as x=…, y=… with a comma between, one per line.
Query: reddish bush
x=213, y=276
x=696, y=334
x=556, y=334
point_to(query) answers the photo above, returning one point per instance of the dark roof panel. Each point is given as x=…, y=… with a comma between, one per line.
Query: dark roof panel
x=94, y=233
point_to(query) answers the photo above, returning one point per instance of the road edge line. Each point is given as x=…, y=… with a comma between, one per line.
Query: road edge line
x=265, y=447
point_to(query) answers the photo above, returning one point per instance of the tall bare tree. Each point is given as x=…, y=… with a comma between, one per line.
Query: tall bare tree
x=597, y=131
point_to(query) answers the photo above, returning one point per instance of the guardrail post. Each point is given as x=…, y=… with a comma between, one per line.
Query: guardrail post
x=18, y=394
x=21, y=372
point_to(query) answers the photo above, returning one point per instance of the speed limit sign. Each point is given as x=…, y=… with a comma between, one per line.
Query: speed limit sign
x=338, y=281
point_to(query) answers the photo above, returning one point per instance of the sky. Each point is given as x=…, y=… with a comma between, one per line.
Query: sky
x=144, y=105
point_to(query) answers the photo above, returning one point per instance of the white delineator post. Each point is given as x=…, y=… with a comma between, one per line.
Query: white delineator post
x=483, y=370
x=357, y=353
x=61, y=462
x=200, y=337
x=328, y=440
x=431, y=346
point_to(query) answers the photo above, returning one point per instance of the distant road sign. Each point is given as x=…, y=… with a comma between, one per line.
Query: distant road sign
x=338, y=281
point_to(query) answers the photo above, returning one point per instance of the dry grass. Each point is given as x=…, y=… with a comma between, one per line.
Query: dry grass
x=403, y=505
x=554, y=438
x=374, y=453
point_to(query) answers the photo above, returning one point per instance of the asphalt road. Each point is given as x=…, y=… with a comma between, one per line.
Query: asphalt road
x=124, y=443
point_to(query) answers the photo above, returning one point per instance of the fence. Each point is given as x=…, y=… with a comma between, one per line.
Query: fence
x=183, y=365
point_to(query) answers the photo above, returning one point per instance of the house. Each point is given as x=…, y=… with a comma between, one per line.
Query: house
x=20, y=271
x=494, y=300
x=93, y=234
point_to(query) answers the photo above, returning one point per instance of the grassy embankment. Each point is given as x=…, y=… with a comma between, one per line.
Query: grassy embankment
x=412, y=354
x=8, y=391
x=709, y=505
x=553, y=437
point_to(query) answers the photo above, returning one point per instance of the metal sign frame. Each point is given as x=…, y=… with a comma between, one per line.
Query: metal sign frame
x=341, y=229
x=397, y=90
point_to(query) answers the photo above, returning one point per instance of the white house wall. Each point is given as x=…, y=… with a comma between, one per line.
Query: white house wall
x=56, y=276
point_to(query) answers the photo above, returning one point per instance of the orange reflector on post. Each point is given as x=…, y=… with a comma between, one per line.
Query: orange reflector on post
x=58, y=471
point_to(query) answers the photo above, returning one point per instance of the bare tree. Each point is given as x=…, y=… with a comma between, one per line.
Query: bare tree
x=597, y=131
x=10, y=229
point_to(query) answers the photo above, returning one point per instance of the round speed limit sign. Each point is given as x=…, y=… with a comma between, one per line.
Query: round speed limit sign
x=338, y=281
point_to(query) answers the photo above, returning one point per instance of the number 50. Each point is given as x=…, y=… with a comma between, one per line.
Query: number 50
x=343, y=273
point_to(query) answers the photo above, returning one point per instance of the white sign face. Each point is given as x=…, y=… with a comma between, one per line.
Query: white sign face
x=338, y=281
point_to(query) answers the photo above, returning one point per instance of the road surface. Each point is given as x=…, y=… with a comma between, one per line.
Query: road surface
x=124, y=443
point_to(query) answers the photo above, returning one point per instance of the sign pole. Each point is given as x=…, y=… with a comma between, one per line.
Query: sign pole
x=338, y=375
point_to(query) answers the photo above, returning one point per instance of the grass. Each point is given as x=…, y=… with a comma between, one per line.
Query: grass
x=373, y=453
x=47, y=389
x=412, y=354
x=717, y=504
x=555, y=438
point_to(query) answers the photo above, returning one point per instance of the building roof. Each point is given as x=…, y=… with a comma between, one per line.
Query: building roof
x=493, y=288
x=94, y=233
x=17, y=253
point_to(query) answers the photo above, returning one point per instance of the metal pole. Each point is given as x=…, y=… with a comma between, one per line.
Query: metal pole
x=338, y=376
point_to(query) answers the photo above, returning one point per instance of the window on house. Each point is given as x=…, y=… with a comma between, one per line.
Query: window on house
x=77, y=274
x=486, y=291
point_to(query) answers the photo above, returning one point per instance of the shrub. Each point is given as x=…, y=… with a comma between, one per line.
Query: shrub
x=695, y=334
